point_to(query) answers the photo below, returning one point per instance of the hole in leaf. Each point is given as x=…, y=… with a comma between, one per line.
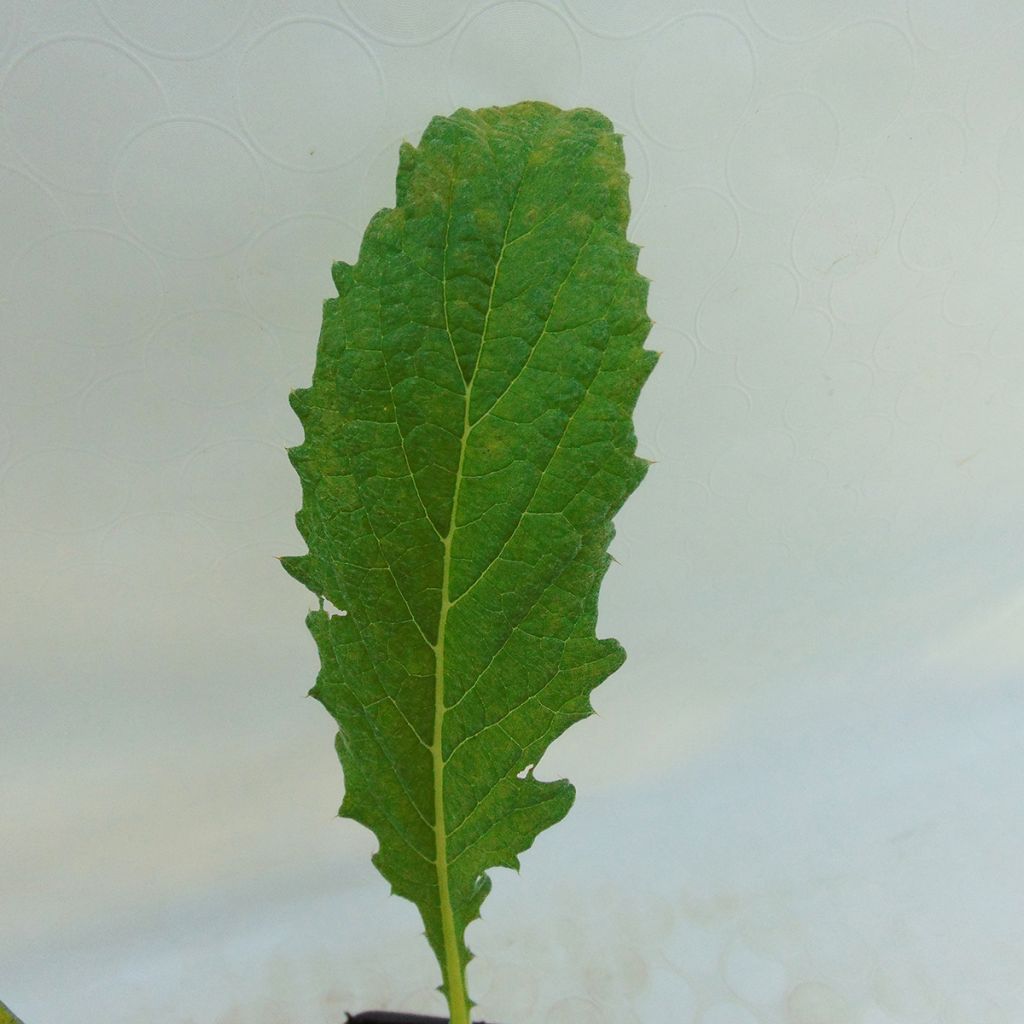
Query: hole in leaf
x=326, y=606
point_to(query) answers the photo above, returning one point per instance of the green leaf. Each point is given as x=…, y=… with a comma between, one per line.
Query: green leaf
x=468, y=438
x=7, y=1016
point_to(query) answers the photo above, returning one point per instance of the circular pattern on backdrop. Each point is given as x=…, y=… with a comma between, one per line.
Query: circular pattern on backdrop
x=716, y=413
x=377, y=187
x=875, y=292
x=995, y=91
x=212, y=357
x=828, y=400
x=5, y=442
x=91, y=598
x=782, y=152
x=793, y=350
x=27, y=211
x=127, y=416
x=172, y=30
x=62, y=490
x=678, y=351
x=576, y=1011
x=795, y=21
x=1010, y=161
x=858, y=444
x=10, y=23
x=406, y=22
x=163, y=547
x=727, y=1013
x=940, y=386
x=752, y=460
x=692, y=948
x=620, y=21
x=239, y=481
x=814, y=1002
x=948, y=220
x=916, y=336
x=870, y=51
x=512, y=50
x=638, y=167
x=754, y=976
x=982, y=287
x=104, y=286
x=746, y=304
x=189, y=188
x=694, y=81
x=40, y=371
x=286, y=273
x=266, y=415
x=103, y=94
x=952, y=28
x=681, y=275
x=253, y=577
x=310, y=94
x=511, y=982
x=920, y=147
x=905, y=990
x=666, y=988
x=843, y=229
x=1004, y=342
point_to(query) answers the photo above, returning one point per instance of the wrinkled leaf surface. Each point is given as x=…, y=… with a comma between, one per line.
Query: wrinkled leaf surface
x=468, y=438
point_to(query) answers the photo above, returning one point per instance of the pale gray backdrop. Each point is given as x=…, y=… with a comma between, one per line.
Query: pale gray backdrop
x=801, y=799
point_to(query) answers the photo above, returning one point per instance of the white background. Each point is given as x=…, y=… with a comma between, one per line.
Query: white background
x=801, y=799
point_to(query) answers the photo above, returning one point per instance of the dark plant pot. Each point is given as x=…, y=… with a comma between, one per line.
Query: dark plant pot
x=386, y=1017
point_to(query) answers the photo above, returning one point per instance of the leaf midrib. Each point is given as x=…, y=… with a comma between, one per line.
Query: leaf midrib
x=453, y=962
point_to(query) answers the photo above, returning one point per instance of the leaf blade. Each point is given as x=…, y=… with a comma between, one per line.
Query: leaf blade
x=468, y=438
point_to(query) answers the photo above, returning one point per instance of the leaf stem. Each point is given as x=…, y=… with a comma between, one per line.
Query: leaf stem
x=454, y=976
